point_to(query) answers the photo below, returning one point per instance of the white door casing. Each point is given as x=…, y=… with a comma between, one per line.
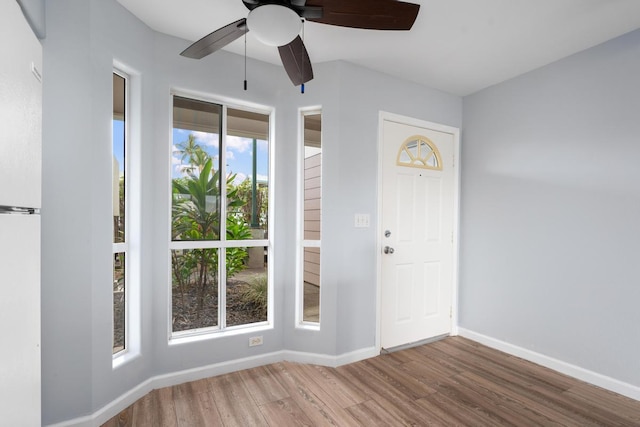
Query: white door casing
x=418, y=215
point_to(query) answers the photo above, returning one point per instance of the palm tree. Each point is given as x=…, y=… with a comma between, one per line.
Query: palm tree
x=187, y=148
x=193, y=153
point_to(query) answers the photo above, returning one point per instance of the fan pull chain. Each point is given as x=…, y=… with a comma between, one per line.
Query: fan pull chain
x=302, y=56
x=245, y=61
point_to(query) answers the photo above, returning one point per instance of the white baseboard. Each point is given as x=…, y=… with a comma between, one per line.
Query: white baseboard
x=327, y=360
x=117, y=405
x=574, y=371
x=356, y=356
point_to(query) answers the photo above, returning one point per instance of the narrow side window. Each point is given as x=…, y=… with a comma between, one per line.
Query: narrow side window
x=119, y=207
x=310, y=212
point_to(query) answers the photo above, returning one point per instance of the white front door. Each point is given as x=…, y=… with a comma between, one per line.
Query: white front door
x=418, y=197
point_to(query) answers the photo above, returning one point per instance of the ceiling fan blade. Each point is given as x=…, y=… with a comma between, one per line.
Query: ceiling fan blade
x=310, y=12
x=296, y=61
x=216, y=40
x=367, y=14
x=298, y=6
x=252, y=4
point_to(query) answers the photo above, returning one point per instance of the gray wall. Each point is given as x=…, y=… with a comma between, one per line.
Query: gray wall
x=550, y=208
x=78, y=378
x=79, y=51
x=34, y=11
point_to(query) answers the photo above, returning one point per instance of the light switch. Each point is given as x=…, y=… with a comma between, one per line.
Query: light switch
x=362, y=220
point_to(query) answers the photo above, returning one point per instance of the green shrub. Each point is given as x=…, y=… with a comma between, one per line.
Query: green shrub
x=255, y=292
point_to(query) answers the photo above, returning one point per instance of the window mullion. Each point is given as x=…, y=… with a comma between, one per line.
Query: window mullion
x=223, y=174
x=222, y=288
x=222, y=258
x=120, y=247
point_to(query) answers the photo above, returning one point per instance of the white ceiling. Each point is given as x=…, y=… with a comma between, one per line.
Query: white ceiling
x=458, y=46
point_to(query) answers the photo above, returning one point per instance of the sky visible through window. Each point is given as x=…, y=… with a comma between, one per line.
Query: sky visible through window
x=239, y=152
x=118, y=143
x=238, y=155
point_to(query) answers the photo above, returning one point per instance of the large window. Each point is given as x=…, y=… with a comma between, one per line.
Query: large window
x=219, y=217
x=310, y=212
x=120, y=214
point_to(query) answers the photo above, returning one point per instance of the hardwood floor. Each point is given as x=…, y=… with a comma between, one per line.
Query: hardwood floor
x=453, y=382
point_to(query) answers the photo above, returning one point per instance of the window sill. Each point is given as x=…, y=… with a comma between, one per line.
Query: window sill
x=210, y=334
x=123, y=358
x=308, y=326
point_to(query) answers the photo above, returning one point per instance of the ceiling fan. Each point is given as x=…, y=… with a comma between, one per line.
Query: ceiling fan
x=278, y=23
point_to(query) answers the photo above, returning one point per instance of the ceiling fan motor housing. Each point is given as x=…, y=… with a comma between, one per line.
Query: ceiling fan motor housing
x=274, y=24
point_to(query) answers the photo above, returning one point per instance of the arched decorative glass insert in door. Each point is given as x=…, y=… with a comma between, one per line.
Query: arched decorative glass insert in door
x=419, y=152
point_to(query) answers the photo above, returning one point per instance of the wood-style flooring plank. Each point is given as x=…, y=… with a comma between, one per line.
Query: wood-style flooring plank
x=498, y=405
x=262, y=385
x=491, y=357
x=371, y=413
x=592, y=414
x=539, y=391
x=398, y=378
x=234, y=402
x=123, y=419
x=541, y=399
x=523, y=378
x=400, y=357
x=316, y=403
x=502, y=369
x=436, y=414
x=285, y=412
x=195, y=406
x=342, y=392
x=143, y=410
x=209, y=410
x=163, y=409
x=586, y=394
x=427, y=374
x=394, y=401
x=503, y=397
x=456, y=400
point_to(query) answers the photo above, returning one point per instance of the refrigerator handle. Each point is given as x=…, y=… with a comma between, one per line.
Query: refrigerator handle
x=18, y=210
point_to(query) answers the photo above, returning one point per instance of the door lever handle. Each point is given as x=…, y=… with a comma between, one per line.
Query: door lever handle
x=388, y=250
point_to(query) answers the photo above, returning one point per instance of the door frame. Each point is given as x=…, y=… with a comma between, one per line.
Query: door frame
x=382, y=116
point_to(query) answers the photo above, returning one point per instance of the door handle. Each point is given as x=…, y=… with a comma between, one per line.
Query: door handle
x=388, y=250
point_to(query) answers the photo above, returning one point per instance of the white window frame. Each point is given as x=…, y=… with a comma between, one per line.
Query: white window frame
x=131, y=245
x=221, y=329
x=300, y=323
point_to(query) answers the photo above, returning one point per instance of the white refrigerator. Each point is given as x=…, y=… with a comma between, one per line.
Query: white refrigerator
x=20, y=195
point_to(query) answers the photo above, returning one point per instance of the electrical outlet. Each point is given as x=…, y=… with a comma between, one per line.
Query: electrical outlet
x=254, y=341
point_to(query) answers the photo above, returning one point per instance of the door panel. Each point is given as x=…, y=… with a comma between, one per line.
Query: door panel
x=432, y=285
x=418, y=209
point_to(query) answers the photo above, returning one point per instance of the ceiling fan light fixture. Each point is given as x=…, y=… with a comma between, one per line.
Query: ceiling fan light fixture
x=273, y=24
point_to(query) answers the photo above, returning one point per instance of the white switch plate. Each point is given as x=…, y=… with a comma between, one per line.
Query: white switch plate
x=362, y=220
